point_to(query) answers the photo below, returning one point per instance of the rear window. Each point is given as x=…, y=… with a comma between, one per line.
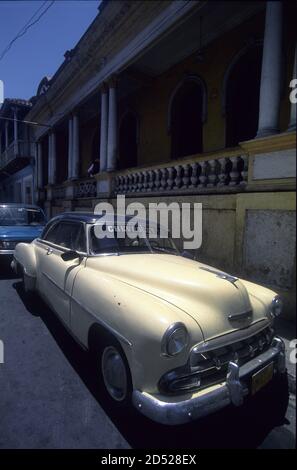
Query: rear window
x=18, y=215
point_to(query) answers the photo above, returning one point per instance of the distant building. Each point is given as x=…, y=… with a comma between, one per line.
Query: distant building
x=182, y=101
x=16, y=153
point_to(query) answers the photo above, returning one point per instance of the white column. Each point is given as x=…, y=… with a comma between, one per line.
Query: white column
x=39, y=166
x=292, y=123
x=70, y=142
x=52, y=159
x=75, y=150
x=50, y=154
x=112, y=128
x=103, y=128
x=270, y=89
x=6, y=134
x=35, y=174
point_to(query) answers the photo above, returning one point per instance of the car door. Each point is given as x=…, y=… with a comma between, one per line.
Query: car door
x=56, y=276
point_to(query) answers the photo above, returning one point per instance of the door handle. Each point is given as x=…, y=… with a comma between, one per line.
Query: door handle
x=49, y=251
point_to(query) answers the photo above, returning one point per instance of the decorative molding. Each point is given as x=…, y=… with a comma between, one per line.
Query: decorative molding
x=283, y=141
x=43, y=86
x=157, y=27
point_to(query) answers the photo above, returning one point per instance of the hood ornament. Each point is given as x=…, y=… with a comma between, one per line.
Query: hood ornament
x=222, y=275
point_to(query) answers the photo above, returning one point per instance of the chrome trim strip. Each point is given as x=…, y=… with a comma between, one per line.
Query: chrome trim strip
x=233, y=384
x=58, y=247
x=6, y=252
x=232, y=391
x=240, y=316
x=221, y=275
x=230, y=338
x=103, y=323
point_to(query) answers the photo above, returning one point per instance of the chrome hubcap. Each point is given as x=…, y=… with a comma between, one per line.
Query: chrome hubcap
x=114, y=373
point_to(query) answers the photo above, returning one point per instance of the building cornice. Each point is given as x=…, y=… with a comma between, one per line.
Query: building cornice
x=81, y=86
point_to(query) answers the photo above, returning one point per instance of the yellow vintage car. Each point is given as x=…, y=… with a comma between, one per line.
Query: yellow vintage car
x=177, y=338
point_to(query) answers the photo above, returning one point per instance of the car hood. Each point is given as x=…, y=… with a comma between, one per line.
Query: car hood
x=20, y=232
x=199, y=290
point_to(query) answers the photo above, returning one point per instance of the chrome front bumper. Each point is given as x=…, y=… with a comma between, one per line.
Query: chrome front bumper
x=211, y=399
x=6, y=252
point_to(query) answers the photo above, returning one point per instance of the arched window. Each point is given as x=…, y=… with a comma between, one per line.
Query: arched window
x=187, y=113
x=241, y=95
x=128, y=140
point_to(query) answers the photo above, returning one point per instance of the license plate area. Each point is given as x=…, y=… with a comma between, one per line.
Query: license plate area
x=262, y=377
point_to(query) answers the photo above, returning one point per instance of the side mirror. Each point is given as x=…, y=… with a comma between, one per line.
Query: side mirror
x=70, y=255
x=188, y=254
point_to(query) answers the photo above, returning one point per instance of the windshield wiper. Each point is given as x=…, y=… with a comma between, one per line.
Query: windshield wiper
x=165, y=250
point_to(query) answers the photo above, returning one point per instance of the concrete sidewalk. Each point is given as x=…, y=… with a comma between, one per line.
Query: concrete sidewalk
x=287, y=331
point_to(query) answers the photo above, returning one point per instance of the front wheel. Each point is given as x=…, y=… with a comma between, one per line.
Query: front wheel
x=115, y=373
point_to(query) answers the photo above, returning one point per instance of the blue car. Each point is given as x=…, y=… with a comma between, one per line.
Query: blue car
x=18, y=223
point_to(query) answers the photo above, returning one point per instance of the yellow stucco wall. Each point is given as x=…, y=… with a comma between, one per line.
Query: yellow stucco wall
x=151, y=103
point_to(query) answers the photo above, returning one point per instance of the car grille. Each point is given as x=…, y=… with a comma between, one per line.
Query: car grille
x=210, y=367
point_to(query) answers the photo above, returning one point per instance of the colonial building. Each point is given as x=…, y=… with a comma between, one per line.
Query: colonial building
x=16, y=153
x=182, y=101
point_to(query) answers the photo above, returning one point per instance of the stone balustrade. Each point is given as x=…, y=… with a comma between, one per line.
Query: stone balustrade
x=217, y=174
x=85, y=188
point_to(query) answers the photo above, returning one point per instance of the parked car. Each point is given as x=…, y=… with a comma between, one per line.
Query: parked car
x=177, y=338
x=19, y=223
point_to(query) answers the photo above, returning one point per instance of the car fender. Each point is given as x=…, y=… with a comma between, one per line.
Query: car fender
x=24, y=255
x=136, y=318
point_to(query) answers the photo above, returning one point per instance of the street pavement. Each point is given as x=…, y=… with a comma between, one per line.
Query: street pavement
x=49, y=397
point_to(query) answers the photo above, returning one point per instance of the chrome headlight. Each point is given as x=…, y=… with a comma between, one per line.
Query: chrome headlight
x=276, y=306
x=175, y=339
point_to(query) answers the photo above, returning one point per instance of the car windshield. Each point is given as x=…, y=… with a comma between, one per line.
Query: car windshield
x=118, y=240
x=19, y=215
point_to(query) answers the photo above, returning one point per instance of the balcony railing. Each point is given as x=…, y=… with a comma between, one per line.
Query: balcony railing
x=86, y=188
x=220, y=173
x=214, y=173
x=17, y=149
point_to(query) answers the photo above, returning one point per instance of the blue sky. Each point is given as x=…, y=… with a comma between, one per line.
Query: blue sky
x=41, y=50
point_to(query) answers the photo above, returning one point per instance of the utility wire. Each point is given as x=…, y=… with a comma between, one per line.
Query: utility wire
x=28, y=25
x=32, y=123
